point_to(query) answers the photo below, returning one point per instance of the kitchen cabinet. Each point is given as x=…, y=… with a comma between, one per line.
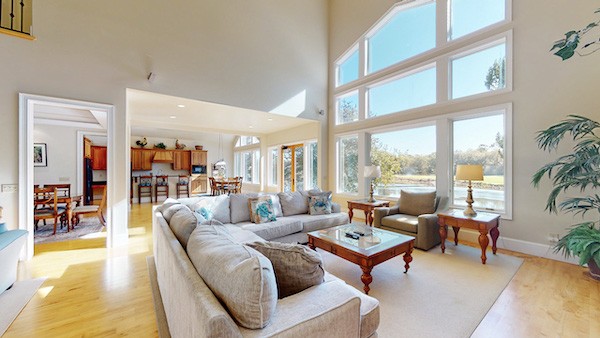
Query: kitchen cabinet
x=199, y=157
x=181, y=160
x=87, y=148
x=141, y=159
x=98, y=157
x=199, y=184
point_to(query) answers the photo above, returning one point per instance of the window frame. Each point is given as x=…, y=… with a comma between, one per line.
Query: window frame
x=345, y=57
x=338, y=166
x=482, y=30
x=240, y=163
x=273, y=164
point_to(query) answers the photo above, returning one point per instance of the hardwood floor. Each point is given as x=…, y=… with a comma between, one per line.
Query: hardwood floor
x=95, y=292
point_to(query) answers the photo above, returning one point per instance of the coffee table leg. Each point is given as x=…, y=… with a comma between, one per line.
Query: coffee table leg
x=366, y=278
x=407, y=259
x=368, y=217
x=483, y=242
x=494, y=233
x=443, y=235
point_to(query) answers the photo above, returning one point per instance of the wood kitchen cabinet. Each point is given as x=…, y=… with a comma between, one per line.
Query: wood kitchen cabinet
x=98, y=157
x=181, y=160
x=199, y=184
x=141, y=159
x=87, y=148
x=199, y=157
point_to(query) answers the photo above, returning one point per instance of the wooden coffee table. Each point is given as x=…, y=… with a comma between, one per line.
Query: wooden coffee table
x=374, y=247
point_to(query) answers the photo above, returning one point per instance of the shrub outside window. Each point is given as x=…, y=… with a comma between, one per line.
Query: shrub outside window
x=348, y=164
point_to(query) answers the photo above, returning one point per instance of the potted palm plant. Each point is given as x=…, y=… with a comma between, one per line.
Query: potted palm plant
x=578, y=170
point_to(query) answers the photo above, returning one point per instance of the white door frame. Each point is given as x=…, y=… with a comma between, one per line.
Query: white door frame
x=26, y=118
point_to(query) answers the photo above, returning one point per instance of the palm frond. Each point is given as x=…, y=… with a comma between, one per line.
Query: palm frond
x=577, y=126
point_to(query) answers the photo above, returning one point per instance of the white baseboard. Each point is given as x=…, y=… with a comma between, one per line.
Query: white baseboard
x=530, y=248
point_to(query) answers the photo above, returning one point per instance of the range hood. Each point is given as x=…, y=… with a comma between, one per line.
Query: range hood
x=163, y=156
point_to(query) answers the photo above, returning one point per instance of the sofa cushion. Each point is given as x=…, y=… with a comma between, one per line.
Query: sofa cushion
x=276, y=203
x=238, y=203
x=240, y=235
x=216, y=206
x=239, y=276
x=312, y=223
x=416, y=203
x=279, y=228
x=182, y=224
x=293, y=203
x=401, y=222
x=319, y=203
x=296, y=266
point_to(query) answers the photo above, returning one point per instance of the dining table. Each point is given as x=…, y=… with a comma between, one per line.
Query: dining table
x=67, y=201
x=225, y=185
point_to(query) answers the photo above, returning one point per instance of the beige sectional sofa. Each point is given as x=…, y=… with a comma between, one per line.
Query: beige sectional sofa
x=205, y=294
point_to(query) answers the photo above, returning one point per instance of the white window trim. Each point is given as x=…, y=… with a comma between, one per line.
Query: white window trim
x=338, y=168
x=238, y=170
x=483, y=30
x=270, y=164
x=508, y=179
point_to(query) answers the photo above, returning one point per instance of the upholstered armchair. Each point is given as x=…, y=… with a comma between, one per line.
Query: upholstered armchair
x=415, y=214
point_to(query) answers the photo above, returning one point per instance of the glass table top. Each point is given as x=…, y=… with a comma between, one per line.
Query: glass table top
x=360, y=236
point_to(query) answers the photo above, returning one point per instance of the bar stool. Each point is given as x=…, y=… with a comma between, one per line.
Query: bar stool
x=162, y=187
x=145, y=188
x=183, y=186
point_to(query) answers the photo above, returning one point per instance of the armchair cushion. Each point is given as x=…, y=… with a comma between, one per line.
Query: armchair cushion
x=401, y=222
x=416, y=203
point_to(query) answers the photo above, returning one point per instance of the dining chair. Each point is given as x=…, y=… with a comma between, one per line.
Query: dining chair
x=91, y=209
x=183, y=186
x=145, y=188
x=46, y=207
x=162, y=187
x=214, y=189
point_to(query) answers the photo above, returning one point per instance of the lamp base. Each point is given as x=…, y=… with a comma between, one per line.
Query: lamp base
x=371, y=198
x=469, y=212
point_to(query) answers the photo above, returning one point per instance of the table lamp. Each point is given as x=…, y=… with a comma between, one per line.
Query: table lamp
x=469, y=172
x=372, y=172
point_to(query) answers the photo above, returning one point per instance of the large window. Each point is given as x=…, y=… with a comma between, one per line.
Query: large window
x=246, y=140
x=481, y=140
x=410, y=31
x=479, y=71
x=347, y=69
x=407, y=158
x=468, y=16
x=414, y=90
x=347, y=149
x=273, y=166
x=346, y=108
x=312, y=160
x=247, y=165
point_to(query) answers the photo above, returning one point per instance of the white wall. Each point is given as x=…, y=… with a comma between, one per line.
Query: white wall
x=250, y=54
x=545, y=90
x=61, y=145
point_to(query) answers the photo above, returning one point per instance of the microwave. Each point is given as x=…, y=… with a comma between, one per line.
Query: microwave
x=199, y=169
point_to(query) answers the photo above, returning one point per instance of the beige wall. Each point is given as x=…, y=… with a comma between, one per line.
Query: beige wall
x=243, y=53
x=545, y=90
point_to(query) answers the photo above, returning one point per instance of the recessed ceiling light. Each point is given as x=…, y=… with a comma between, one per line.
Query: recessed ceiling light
x=250, y=127
x=270, y=119
x=181, y=105
x=172, y=117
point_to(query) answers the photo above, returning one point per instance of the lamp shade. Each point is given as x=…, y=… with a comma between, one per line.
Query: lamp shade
x=372, y=171
x=469, y=172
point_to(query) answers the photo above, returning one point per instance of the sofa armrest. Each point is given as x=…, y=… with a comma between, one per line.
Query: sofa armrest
x=428, y=235
x=335, y=208
x=380, y=213
x=329, y=309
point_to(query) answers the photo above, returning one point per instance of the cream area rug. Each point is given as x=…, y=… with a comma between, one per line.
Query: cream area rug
x=442, y=295
x=13, y=300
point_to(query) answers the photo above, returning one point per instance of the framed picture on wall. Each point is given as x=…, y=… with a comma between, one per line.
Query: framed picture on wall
x=40, y=158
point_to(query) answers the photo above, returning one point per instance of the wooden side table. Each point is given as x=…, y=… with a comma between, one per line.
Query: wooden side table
x=484, y=222
x=367, y=207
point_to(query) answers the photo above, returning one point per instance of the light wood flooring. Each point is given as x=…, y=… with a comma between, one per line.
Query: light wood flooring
x=92, y=291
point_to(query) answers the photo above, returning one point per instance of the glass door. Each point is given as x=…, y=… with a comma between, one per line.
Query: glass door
x=292, y=167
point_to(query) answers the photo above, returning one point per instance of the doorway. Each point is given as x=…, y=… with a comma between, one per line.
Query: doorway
x=292, y=167
x=27, y=106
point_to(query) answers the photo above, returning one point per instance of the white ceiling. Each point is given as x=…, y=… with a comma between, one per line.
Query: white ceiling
x=150, y=113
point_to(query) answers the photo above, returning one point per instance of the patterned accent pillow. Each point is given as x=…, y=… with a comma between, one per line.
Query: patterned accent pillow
x=261, y=209
x=319, y=203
